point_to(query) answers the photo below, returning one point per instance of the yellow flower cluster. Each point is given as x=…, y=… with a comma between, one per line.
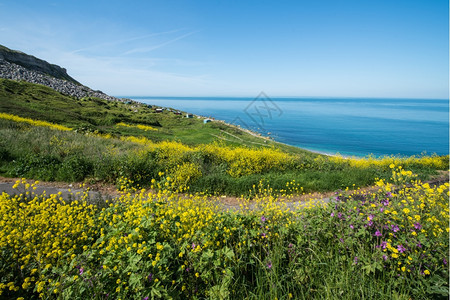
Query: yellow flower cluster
x=146, y=240
x=435, y=162
x=139, y=126
x=39, y=232
x=410, y=217
x=185, y=173
x=241, y=160
x=245, y=161
x=33, y=122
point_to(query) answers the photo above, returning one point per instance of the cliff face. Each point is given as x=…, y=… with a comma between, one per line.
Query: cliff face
x=33, y=63
x=16, y=65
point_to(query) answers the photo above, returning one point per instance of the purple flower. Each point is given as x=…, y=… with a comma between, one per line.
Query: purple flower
x=385, y=257
x=355, y=260
x=381, y=209
x=332, y=214
x=81, y=271
x=377, y=233
x=385, y=202
x=444, y=261
x=269, y=265
x=339, y=215
x=419, y=245
x=352, y=227
x=417, y=226
x=389, y=194
x=401, y=249
x=193, y=246
x=150, y=277
x=290, y=245
x=263, y=219
x=145, y=298
x=383, y=245
x=370, y=223
x=395, y=228
x=263, y=234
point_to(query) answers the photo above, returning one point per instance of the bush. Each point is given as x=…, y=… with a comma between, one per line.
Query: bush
x=36, y=166
x=74, y=168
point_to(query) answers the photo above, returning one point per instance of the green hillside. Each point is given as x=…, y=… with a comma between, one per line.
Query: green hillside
x=89, y=114
x=116, y=142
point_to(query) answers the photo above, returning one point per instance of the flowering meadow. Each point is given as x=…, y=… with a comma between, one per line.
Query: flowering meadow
x=51, y=152
x=389, y=243
x=171, y=235
x=32, y=122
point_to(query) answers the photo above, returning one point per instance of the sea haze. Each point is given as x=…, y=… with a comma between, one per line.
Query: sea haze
x=351, y=126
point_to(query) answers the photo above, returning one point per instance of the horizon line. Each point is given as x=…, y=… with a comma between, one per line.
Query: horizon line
x=306, y=97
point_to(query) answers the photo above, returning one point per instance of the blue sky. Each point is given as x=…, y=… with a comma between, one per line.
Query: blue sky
x=240, y=48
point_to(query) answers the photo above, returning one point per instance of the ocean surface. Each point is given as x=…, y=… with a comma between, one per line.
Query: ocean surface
x=349, y=126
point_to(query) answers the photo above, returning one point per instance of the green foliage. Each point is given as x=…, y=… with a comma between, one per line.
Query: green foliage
x=99, y=150
x=376, y=245
x=93, y=114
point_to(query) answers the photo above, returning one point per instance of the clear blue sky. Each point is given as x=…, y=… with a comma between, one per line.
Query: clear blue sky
x=331, y=48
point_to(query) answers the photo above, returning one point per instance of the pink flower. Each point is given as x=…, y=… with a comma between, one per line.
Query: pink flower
x=401, y=249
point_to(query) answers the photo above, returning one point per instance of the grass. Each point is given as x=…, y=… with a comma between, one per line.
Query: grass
x=220, y=158
x=46, y=154
x=376, y=245
x=92, y=114
x=174, y=243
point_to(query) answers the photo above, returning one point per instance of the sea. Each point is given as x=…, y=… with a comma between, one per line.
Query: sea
x=347, y=126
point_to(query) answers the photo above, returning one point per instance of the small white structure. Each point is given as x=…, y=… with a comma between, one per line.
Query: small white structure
x=206, y=121
x=189, y=116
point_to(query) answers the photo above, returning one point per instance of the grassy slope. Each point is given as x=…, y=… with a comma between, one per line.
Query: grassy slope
x=43, y=103
x=46, y=155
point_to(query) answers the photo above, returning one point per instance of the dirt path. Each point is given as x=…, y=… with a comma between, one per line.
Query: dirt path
x=105, y=191
x=67, y=190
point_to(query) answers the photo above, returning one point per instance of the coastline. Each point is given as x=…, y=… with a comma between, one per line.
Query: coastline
x=257, y=134
x=353, y=153
x=333, y=127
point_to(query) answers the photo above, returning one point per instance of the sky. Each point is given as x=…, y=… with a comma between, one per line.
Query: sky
x=397, y=49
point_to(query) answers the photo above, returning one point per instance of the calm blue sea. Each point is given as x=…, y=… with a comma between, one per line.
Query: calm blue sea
x=332, y=125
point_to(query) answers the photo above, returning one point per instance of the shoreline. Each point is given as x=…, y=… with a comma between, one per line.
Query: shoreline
x=269, y=138
x=248, y=131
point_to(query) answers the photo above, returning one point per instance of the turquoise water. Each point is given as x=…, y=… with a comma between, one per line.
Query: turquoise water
x=332, y=125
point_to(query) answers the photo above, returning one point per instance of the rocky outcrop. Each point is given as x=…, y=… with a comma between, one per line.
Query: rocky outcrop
x=32, y=63
x=19, y=66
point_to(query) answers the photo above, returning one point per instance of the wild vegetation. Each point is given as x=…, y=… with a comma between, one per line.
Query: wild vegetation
x=48, y=153
x=391, y=243
x=168, y=236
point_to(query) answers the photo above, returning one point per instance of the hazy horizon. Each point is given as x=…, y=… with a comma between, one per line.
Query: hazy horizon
x=275, y=97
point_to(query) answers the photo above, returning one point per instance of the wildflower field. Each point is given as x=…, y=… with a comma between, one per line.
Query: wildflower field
x=44, y=151
x=170, y=236
x=391, y=243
